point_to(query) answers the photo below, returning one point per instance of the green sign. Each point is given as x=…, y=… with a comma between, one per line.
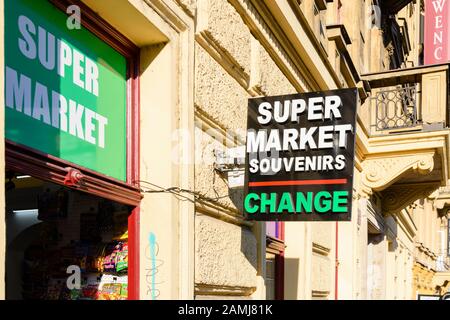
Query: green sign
x=65, y=89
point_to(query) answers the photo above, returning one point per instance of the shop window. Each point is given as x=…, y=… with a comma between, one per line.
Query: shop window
x=63, y=244
x=72, y=190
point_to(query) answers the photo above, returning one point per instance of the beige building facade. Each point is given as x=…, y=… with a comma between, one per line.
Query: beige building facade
x=381, y=253
x=200, y=61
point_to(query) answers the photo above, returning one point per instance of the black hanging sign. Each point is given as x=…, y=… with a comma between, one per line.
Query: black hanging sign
x=300, y=155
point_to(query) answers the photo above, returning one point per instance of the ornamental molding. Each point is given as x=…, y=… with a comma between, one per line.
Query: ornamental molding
x=441, y=204
x=224, y=58
x=203, y=289
x=319, y=249
x=441, y=198
x=188, y=6
x=320, y=293
x=399, y=196
x=173, y=14
x=381, y=172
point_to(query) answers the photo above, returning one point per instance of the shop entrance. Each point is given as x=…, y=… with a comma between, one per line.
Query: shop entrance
x=64, y=244
x=71, y=221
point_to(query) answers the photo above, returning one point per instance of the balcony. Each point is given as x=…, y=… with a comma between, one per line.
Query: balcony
x=407, y=101
x=396, y=108
x=404, y=133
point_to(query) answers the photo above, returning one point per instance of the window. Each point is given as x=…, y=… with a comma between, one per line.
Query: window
x=64, y=244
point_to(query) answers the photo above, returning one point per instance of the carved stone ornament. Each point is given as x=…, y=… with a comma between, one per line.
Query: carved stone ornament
x=379, y=173
x=441, y=203
x=399, y=196
x=441, y=198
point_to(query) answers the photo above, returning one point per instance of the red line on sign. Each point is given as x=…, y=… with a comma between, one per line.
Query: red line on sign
x=296, y=183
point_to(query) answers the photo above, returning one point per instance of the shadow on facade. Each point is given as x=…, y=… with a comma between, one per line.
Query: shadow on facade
x=291, y=272
x=237, y=197
x=270, y=276
x=381, y=244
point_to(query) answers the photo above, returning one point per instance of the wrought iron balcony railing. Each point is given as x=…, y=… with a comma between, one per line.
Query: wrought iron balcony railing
x=396, y=108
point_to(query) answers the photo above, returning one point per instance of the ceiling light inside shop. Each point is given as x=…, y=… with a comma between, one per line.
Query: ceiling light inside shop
x=28, y=211
x=23, y=177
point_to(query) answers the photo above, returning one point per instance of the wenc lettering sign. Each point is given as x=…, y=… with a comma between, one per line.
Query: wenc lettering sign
x=437, y=18
x=300, y=155
x=65, y=89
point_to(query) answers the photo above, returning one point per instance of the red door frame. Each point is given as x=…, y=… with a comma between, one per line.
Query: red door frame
x=47, y=167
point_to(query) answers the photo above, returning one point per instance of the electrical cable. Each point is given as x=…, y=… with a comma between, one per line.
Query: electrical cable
x=179, y=192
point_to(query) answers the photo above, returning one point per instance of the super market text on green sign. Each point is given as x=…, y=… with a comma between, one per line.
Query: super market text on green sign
x=65, y=90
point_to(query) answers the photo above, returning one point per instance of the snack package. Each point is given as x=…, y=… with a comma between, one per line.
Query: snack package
x=122, y=259
x=110, y=291
x=109, y=263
